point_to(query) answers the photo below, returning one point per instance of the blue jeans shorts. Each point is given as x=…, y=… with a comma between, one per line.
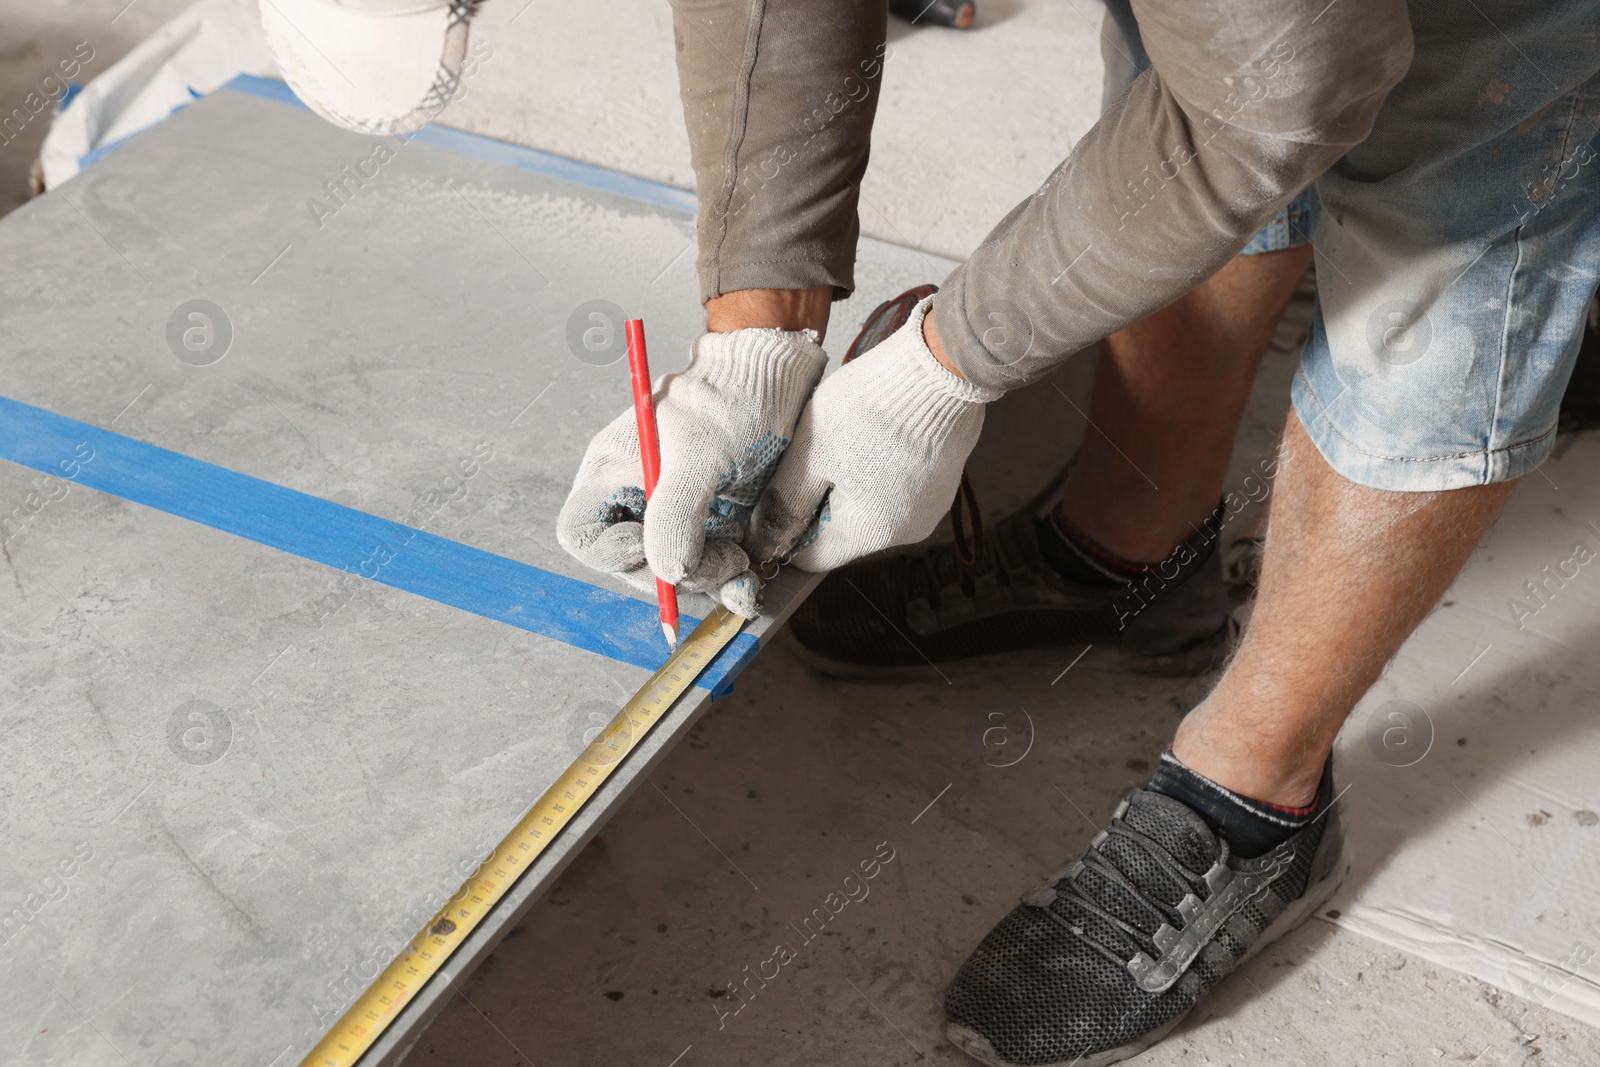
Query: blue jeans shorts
x=1457, y=247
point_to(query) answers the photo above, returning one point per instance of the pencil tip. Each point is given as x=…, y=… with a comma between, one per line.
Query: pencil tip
x=671, y=633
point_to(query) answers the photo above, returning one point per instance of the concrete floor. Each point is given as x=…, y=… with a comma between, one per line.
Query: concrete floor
x=795, y=778
x=596, y=82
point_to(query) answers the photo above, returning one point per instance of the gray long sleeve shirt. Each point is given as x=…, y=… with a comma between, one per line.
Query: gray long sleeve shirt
x=1246, y=102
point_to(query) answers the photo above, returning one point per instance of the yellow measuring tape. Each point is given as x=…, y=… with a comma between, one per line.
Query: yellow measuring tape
x=372, y=1013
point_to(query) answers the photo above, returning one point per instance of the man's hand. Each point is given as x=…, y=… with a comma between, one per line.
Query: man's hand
x=724, y=421
x=879, y=450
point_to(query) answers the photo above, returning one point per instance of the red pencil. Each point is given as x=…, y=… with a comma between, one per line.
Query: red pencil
x=644, y=410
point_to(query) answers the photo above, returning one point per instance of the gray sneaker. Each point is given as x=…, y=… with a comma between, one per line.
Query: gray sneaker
x=886, y=619
x=1107, y=958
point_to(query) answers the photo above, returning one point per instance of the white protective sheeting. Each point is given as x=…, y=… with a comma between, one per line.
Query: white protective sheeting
x=193, y=54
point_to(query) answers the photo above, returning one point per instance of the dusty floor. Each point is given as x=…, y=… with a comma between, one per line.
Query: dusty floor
x=792, y=781
x=795, y=779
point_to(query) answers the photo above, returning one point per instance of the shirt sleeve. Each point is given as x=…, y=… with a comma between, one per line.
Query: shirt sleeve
x=779, y=97
x=1246, y=103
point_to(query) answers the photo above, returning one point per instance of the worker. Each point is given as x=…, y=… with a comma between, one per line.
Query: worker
x=1455, y=210
x=1439, y=161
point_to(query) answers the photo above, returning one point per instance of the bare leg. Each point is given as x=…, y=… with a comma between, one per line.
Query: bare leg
x=1168, y=395
x=1348, y=573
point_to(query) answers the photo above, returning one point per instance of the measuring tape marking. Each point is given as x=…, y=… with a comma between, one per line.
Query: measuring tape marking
x=365, y=1021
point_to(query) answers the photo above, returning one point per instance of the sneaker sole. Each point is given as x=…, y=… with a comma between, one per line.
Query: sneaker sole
x=1197, y=658
x=974, y=1045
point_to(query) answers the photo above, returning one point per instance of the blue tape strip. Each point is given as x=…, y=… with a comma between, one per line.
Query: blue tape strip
x=391, y=553
x=96, y=155
x=511, y=155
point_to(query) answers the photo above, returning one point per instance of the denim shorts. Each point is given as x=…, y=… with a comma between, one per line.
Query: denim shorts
x=1457, y=248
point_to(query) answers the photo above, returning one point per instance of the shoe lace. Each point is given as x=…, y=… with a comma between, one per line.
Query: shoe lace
x=966, y=551
x=995, y=553
x=1133, y=939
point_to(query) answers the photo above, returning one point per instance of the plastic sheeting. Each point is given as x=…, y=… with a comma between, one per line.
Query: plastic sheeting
x=196, y=52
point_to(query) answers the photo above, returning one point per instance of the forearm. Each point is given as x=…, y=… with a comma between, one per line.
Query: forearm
x=1241, y=110
x=779, y=98
x=771, y=309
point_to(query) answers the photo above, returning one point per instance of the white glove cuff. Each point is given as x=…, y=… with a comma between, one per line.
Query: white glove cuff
x=760, y=362
x=927, y=397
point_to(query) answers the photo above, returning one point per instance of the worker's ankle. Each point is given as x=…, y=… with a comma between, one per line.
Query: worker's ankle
x=1139, y=541
x=1125, y=517
x=1251, y=827
x=1274, y=769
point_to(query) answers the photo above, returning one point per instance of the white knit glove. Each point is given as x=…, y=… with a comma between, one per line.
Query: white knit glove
x=723, y=422
x=879, y=450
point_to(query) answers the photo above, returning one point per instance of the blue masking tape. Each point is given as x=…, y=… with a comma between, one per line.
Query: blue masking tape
x=505, y=153
x=463, y=143
x=391, y=553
